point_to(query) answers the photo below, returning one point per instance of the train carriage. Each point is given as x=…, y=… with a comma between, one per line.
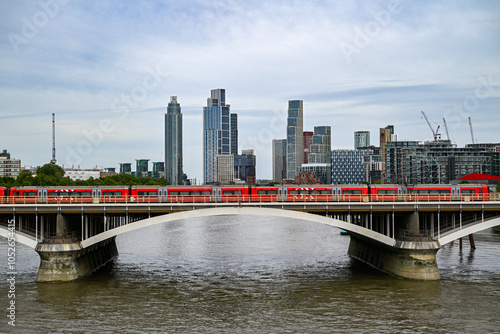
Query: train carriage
x=266, y=194
x=233, y=194
x=317, y=194
x=189, y=194
x=354, y=193
x=3, y=195
x=387, y=193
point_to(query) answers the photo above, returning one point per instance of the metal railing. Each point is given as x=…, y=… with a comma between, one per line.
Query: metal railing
x=251, y=199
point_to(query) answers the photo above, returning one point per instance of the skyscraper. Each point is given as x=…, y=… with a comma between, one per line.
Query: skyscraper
x=294, y=138
x=308, y=139
x=279, y=160
x=361, y=139
x=173, y=142
x=321, y=145
x=216, y=133
x=234, y=134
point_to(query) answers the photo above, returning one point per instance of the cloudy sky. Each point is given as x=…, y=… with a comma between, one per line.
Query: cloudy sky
x=107, y=70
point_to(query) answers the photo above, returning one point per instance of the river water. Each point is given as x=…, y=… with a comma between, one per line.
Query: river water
x=247, y=274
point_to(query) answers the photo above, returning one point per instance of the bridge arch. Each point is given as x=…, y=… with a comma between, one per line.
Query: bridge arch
x=220, y=211
x=457, y=234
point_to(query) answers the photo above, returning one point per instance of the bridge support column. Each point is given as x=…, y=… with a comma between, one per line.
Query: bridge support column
x=64, y=262
x=407, y=259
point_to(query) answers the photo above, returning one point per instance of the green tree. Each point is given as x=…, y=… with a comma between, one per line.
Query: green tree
x=49, y=175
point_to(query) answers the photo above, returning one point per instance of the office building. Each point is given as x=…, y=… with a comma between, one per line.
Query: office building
x=279, y=160
x=294, y=138
x=125, y=168
x=347, y=166
x=234, y=133
x=159, y=170
x=438, y=162
x=244, y=166
x=361, y=139
x=141, y=167
x=216, y=133
x=224, y=166
x=308, y=139
x=322, y=171
x=173, y=143
x=321, y=145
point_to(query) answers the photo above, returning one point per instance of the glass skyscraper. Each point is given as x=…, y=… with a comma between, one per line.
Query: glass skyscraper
x=173, y=142
x=361, y=139
x=234, y=134
x=294, y=138
x=216, y=133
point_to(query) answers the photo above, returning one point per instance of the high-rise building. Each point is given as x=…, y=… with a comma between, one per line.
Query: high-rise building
x=224, y=166
x=308, y=139
x=216, y=133
x=321, y=145
x=386, y=135
x=361, y=139
x=125, y=168
x=244, y=166
x=234, y=133
x=173, y=142
x=294, y=138
x=141, y=167
x=279, y=160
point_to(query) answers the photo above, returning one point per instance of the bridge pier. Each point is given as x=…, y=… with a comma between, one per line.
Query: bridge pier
x=65, y=262
x=407, y=259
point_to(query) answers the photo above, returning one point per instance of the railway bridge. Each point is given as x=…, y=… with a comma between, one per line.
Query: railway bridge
x=399, y=238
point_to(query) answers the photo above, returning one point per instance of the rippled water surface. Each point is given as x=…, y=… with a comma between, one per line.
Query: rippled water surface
x=243, y=274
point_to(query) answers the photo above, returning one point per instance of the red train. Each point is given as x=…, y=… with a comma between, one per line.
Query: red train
x=190, y=194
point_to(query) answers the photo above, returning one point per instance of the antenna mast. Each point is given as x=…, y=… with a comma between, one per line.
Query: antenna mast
x=53, y=161
x=471, y=132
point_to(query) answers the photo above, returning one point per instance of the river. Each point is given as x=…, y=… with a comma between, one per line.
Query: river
x=247, y=274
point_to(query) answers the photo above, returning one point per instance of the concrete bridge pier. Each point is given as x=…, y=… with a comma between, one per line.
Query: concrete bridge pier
x=65, y=262
x=407, y=259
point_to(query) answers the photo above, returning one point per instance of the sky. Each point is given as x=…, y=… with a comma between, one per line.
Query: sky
x=107, y=70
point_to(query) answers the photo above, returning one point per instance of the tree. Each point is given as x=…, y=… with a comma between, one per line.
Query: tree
x=498, y=187
x=50, y=175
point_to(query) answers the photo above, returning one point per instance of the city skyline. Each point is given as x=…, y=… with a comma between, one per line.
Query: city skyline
x=110, y=92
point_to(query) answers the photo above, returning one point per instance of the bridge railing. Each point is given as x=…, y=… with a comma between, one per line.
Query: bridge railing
x=419, y=198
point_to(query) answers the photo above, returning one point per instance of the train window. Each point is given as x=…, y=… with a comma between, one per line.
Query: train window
x=80, y=194
x=112, y=194
x=352, y=192
x=267, y=192
x=206, y=193
x=468, y=191
x=387, y=192
x=232, y=193
x=147, y=193
x=30, y=194
x=290, y=192
x=326, y=192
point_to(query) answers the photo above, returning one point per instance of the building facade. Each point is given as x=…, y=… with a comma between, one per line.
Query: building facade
x=361, y=139
x=141, y=167
x=279, y=160
x=216, y=133
x=234, y=133
x=347, y=166
x=9, y=167
x=438, y=162
x=245, y=166
x=294, y=138
x=173, y=143
x=224, y=165
x=125, y=168
x=308, y=139
x=321, y=145
x=323, y=171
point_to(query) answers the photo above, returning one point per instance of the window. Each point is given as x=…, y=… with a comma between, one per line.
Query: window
x=267, y=192
x=147, y=193
x=112, y=194
x=352, y=192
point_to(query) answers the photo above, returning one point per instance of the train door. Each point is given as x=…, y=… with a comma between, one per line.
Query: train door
x=455, y=193
x=282, y=196
x=336, y=192
x=42, y=195
x=401, y=193
x=217, y=193
x=162, y=195
x=96, y=195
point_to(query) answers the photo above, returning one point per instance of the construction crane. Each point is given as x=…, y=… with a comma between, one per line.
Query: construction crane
x=53, y=161
x=435, y=134
x=446, y=128
x=471, y=132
